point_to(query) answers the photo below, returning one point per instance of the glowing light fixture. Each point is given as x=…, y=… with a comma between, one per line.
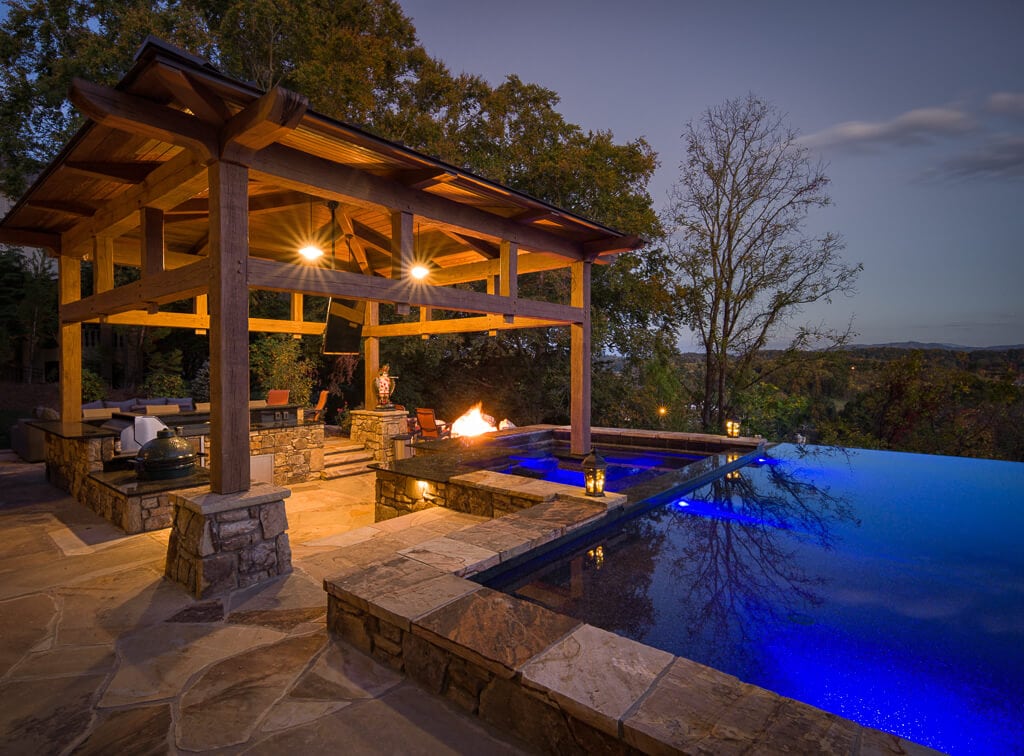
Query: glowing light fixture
x=419, y=272
x=593, y=474
x=732, y=428
x=663, y=411
x=311, y=251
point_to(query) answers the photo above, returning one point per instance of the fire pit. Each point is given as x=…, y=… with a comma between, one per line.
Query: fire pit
x=473, y=422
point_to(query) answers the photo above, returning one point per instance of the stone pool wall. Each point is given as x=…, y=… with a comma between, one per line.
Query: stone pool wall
x=560, y=685
x=483, y=493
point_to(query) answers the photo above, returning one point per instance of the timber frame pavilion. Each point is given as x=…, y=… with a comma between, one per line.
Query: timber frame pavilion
x=209, y=186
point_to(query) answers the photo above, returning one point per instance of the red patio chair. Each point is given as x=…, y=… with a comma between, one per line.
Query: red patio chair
x=430, y=426
x=317, y=411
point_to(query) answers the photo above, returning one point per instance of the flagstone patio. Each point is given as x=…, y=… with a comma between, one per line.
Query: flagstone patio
x=100, y=654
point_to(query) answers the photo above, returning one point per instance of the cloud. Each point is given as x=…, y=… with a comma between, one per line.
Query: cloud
x=1006, y=103
x=913, y=127
x=997, y=157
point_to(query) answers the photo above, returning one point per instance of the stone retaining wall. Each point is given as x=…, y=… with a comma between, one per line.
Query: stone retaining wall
x=222, y=542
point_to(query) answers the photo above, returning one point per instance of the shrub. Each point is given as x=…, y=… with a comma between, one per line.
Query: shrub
x=93, y=387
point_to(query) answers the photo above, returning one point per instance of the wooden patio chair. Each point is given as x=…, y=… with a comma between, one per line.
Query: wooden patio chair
x=316, y=412
x=277, y=397
x=430, y=426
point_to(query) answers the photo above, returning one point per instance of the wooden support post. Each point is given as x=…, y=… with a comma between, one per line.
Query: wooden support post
x=296, y=310
x=401, y=252
x=229, y=328
x=102, y=264
x=152, y=228
x=202, y=307
x=103, y=280
x=69, y=273
x=580, y=360
x=371, y=356
x=426, y=315
x=509, y=275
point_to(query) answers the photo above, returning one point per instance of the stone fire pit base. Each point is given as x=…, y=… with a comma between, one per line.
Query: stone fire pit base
x=221, y=542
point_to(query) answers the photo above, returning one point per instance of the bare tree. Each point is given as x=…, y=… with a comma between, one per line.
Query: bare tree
x=745, y=264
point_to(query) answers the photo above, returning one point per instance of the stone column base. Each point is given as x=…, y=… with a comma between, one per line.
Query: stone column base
x=221, y=542
x=375, y=430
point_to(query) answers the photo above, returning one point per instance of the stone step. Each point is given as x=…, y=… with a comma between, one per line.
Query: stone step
x=344, y=471
x=332, y=457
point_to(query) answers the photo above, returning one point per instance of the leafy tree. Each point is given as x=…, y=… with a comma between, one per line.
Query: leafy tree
x=277, y=363
x=745, y=264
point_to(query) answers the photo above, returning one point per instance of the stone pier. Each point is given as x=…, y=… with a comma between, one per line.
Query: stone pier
x=221, y=542
x=376, y=431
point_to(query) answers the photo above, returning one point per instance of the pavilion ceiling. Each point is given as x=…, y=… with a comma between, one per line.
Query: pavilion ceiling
x=152, y=131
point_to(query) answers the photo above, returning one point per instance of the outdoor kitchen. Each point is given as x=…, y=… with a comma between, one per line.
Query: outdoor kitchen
x=126, y=468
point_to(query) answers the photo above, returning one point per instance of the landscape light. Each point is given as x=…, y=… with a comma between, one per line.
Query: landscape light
x=593, y=474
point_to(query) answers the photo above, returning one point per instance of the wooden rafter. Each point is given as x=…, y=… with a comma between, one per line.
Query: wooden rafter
x=297, y=170
x=124, y=172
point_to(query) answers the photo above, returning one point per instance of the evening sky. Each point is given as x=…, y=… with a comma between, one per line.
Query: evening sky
x=917, y=107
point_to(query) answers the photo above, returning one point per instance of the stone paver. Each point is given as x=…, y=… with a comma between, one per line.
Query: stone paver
x=100, y=654
x=599, y=692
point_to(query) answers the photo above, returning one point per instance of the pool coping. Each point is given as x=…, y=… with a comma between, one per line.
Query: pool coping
x=411, y=603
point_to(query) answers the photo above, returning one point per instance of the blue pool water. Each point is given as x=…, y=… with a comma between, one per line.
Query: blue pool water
x=887, y=588
x=625, y=468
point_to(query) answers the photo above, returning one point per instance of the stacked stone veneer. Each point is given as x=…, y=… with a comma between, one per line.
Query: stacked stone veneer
x=70, y=461
x=376, y=431
x=298, y=451
x=221, y=542
x=561, y=685
x=482, y=493
x=132, y=512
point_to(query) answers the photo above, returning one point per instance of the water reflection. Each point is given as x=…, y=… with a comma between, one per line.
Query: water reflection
x=705, y=575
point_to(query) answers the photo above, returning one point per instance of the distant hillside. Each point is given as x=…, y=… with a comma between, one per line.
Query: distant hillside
x=948, y=347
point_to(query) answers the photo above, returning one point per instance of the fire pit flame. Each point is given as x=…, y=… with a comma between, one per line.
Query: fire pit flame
x=473, y=423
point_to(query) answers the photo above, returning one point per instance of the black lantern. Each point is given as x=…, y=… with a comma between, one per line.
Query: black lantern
x=732, y=428
x=593, y=473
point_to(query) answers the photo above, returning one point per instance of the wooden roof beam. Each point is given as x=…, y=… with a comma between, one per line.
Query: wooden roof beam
x=484, y=248
x=294, y=169
x=612, y=246
x=459, y=325
x=18, y=237
x=193, y=94
x=321, y=282
x=125, y=173
x=422, y=178
x=262, y=122
x=70, y=207
x=479, y=271
x=136, y=115
x=348, y=226
x=159, y=288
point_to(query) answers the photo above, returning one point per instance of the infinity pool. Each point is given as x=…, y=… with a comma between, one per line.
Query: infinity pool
x=887, y=588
